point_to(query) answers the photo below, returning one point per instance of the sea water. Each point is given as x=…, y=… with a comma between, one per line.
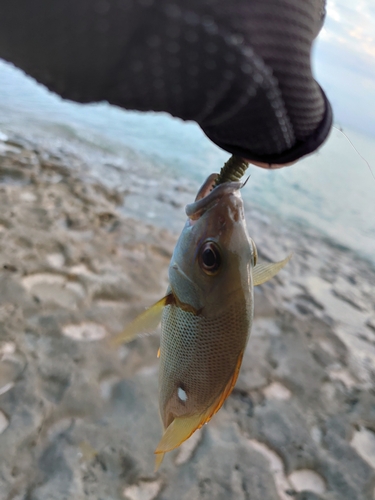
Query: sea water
x=332, y=190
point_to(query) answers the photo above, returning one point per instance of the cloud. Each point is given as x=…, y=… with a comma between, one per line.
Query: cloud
x=348, y=34
x=344, y=60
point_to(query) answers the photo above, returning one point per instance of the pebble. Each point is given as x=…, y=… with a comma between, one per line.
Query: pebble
x=307, y=480
x=86, y=331
x=277, y=391
x=363, y=441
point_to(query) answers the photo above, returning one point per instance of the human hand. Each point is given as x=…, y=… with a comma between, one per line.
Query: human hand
x=270, y=166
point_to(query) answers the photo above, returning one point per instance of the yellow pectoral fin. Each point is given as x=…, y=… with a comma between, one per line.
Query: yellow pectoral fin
x=158, y=460
x=146, y=322
x=264, y=272
x=183, y=427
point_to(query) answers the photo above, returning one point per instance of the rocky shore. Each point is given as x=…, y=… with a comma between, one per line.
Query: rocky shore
x=79, y=420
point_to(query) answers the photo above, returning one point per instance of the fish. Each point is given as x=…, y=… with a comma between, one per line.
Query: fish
x=207, y=313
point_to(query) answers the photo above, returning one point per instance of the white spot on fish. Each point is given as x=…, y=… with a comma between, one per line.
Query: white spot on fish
x=181, y=394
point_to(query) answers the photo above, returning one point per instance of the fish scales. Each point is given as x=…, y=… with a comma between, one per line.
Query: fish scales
x=199, y=354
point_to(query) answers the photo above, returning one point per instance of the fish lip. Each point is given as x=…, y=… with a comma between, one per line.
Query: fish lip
x=196, y=209
x=207, y=187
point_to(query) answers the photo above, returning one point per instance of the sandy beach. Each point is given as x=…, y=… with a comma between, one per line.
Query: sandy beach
x=79, y=420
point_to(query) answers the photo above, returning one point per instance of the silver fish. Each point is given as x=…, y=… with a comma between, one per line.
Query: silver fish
x=206, y=315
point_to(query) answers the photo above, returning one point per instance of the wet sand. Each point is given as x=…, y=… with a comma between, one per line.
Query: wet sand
x=79, y=420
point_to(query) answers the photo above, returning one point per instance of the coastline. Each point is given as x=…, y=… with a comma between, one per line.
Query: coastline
x=79, y=420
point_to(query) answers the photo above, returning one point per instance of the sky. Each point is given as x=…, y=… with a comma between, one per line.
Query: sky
x=344, y=62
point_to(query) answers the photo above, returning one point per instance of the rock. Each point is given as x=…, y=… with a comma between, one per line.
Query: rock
x=309, y=495
x=3, y=137
x=371, y=322
x=144, y=490
x=283, y=428
x=85, y=331
x=349, y=293
x=289, y=353
x=340, y=456
x=363, y=441
x=80, y=420
x=276, y=466
x=277, y=391
x=254, y=371
x=223, y=466
x=307, y=480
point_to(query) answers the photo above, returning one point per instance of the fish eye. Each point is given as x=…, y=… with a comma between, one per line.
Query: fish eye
x=209, y=258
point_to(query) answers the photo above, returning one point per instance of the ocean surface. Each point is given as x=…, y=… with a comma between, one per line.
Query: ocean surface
x=332, y=190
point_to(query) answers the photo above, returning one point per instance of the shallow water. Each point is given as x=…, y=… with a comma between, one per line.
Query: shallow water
x=333, y=190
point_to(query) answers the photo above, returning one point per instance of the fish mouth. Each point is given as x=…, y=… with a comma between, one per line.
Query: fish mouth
x=208, y=196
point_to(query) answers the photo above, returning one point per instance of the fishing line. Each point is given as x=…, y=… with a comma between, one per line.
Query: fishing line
x=356, y=150
x=234, y=169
